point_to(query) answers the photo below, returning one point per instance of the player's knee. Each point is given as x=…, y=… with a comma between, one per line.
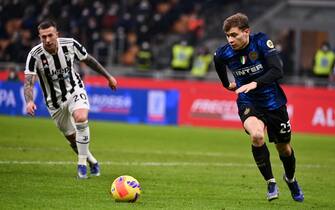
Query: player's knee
x=80, y=117
x=257, y=137
x=284, y=150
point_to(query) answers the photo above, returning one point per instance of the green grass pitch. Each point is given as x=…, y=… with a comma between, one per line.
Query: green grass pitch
x=178, y=168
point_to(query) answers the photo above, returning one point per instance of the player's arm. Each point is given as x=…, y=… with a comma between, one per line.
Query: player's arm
x=222, y=72
x=274, y=73
x=28, y=87
x=96, y=66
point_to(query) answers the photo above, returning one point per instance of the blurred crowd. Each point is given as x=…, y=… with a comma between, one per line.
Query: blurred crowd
x=141, y=34
x=114, y=30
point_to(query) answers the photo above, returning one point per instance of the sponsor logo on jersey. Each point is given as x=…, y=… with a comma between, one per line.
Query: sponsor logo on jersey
x=250, y=70
x=57, y=72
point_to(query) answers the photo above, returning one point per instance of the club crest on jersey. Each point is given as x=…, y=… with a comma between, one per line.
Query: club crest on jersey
x=243, y=59
x=67, y=57
x=253, y=55
x=67, y=54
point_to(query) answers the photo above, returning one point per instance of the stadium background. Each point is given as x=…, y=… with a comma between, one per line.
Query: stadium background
x=114, y=32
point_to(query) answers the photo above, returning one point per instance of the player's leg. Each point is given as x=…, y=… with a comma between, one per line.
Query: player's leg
x=63, y=119
x=79, y=108
x=279, y=130
x=255, y=128
x=286, y=154
x=72, y=141
x=82, y=139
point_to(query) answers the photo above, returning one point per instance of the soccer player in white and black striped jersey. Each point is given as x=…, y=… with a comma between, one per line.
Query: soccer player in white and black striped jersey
x=52, y=61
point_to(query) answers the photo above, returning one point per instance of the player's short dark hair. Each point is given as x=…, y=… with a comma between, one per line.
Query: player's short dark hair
x=239, y=20
x=46, y=24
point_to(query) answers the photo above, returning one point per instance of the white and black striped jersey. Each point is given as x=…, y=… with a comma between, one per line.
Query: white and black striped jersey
x=56, y=73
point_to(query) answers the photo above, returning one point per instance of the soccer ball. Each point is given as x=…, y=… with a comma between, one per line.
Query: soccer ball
x=126, y=188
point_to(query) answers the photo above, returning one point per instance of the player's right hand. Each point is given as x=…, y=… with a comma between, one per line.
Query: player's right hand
x=30, y=108
x=232, y=86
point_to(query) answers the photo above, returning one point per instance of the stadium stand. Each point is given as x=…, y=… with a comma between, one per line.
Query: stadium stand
x=113, y=31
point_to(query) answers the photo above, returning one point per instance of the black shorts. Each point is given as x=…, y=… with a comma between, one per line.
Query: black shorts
x=276, y=121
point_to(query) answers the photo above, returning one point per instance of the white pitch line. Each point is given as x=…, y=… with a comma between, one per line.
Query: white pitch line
x=154, y=152
x=155, y=164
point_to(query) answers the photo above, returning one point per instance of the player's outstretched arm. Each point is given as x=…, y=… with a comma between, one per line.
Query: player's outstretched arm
x=29, y=82
x=96, y=66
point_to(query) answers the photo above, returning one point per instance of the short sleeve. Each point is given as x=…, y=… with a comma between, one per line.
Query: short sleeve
x=79, y=51
x=30, y=67
x=266, y=46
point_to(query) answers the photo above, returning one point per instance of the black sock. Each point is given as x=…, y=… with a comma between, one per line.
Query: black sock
x=289, y=165
x=74, y=147
x=262, y=158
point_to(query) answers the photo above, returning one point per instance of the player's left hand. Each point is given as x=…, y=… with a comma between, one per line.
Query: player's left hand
x=112, y=83
x=246, y=88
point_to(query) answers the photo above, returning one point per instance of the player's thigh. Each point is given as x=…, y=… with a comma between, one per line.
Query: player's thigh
x=278, y=125
x=79, y=101
x=254, y=126
x=253, y=120
x=80, y=115
x=64, y=122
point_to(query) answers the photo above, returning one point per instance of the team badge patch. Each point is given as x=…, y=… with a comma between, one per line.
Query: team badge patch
x=243, y=59
x=45, y=63
x=253, y=55
x=269, y=44
x=246, y=111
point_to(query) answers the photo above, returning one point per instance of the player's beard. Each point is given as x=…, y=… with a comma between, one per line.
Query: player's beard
x=51, y=48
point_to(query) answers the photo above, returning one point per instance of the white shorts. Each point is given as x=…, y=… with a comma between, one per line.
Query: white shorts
x=63, y=115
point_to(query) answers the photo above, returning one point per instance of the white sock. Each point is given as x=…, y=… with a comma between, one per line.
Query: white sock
x=91, y=158
x=82, y=140
x=271, y=180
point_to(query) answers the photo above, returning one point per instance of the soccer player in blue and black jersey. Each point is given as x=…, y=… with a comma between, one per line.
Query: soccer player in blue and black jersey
x=256, y=67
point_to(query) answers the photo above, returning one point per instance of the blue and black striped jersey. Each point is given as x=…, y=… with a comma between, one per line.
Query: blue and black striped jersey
x=249, y=64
